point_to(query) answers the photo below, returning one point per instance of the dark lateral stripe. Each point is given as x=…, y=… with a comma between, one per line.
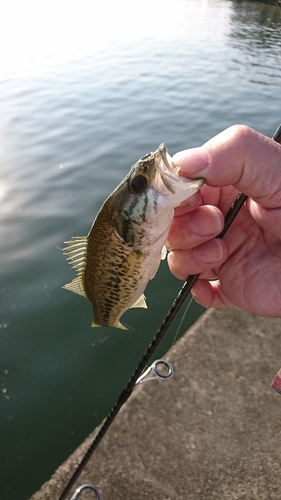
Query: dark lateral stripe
x=144, y=209
x=127, y=228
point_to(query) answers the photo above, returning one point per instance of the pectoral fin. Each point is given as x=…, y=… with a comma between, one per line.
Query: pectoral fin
x=163, y=253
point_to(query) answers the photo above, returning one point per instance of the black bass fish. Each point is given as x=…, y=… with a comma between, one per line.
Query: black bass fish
x=124, y=247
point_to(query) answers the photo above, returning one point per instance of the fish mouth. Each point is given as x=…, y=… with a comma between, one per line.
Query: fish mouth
x=163, y=150
x=168, y=172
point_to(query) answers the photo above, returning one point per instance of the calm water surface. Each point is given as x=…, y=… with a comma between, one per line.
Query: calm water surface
x=84, y=92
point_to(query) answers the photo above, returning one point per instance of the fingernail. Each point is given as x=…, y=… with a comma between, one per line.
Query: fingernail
x=210, y=252
x=205, y=221
x=192, y=161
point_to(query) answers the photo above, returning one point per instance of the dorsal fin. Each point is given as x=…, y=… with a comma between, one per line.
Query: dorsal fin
x=76, y=250
x=76, y=286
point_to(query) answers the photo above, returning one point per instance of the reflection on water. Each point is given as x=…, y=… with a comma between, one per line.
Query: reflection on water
x=257, y=33
x=78, y=108
x=259, y=28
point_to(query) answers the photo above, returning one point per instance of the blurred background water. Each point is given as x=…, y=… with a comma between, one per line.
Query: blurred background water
x=86, y=88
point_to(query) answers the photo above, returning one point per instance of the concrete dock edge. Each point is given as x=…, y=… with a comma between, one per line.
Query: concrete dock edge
x=213, y=431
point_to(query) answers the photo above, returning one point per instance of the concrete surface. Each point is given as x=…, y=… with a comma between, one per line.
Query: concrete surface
x=211, y=432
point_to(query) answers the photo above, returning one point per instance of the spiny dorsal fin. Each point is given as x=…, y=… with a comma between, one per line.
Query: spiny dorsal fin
x=77, y=252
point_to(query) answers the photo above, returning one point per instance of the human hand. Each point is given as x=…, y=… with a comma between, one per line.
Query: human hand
x=246, y=263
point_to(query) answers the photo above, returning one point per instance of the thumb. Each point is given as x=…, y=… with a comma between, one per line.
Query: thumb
x=241, y=157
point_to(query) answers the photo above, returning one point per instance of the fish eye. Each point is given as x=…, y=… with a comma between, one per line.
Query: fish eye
x=139, y=184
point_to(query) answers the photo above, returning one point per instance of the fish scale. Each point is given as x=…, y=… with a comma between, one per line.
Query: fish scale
x=113, y=288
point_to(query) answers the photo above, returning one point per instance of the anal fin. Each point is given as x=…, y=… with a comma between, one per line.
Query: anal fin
x=141, y=302
x=117, y=324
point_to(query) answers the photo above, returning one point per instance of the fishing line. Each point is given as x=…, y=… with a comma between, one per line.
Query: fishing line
x=178, y=302
x=181, y=321
x=149, y=388
x=144, y=400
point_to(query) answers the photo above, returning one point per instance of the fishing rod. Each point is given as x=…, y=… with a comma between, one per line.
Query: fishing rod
x=127, y=391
